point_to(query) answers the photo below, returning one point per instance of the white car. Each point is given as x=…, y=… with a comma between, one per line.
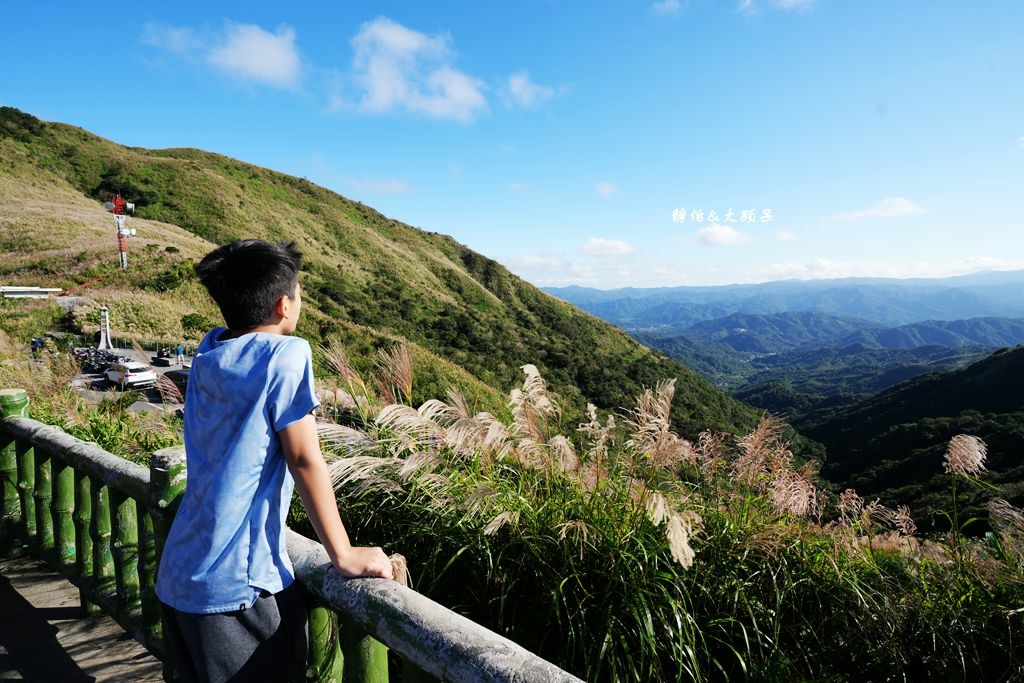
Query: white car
x=130, y=374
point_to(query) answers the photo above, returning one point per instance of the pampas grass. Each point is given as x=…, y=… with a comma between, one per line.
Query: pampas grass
x=624, y=552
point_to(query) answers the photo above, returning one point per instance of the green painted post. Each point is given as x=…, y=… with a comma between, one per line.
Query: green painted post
x=366, y=659
x=26, y=488
x=147, y=583
x=99, y=529
x=167, y=477
x=83, y=539
x=326, y=663
x=43, y=494
x=13, y=403
x=62, y=508
x=125, y=533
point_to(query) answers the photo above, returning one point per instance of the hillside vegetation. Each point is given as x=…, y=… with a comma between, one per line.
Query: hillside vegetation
x=371, y=282
x=887, y=445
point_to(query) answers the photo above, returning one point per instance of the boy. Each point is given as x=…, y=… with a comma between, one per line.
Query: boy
x=232, y=608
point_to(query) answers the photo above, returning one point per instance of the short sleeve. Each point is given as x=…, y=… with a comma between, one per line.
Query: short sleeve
x=291, y=392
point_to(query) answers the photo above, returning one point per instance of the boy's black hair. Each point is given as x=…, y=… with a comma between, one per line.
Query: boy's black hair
x=247, y=277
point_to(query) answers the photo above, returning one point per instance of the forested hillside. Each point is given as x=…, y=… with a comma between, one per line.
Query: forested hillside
x=891, y=445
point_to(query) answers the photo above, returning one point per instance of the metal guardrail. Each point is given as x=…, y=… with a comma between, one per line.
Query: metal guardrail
x=101, y=520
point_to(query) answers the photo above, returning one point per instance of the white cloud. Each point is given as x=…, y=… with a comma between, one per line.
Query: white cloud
x=890, y=207
x=665, y=7
x=1020, y=142
x=751, y=6
x=379, y=186
x=520, y=91
x=243, y=52
x=722, y=235
x=176, y=40
x=785, y=235
x=518, y=187
x=252, y=54
x=397, y=68
x=551, y=270
x=606, y=188
x=599, y=246
x=826, y=269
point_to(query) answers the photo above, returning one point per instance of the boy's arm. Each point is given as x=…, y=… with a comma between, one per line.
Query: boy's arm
x=306, y=463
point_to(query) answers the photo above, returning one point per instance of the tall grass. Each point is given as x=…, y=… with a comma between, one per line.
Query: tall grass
x=623, y=552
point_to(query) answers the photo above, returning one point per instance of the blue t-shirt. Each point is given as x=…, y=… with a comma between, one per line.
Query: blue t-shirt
x=227, y=542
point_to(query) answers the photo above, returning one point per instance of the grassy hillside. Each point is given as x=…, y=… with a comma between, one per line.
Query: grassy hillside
x=891, y=445
x=370, y=281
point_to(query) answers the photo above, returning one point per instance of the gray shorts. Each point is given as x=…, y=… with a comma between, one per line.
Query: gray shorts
x=265, y=642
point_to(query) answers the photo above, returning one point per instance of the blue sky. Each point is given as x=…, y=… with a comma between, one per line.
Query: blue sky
x=579, y=143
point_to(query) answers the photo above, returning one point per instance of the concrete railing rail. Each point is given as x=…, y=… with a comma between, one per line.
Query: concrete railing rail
x=101, y=521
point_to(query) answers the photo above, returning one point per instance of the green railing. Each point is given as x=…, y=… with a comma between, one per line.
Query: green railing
x=101, y=520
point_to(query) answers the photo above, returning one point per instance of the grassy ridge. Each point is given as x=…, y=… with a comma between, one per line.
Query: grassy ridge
x=370, y=280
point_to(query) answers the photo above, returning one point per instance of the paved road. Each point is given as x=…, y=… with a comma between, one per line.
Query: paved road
x=95, y=387
x=44, y=637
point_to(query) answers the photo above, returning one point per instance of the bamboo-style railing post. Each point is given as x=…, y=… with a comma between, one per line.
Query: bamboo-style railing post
x=326, y=663
x=147, y=582
x=26, y=456
x=43, y=493
x=366, y=659
x=167, y=477
x=13, y=403
x=125, y=550
x=63, y=507
x=99, y=529
x=83, y=538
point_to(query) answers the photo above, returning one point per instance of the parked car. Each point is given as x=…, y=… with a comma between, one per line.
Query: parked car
x=130, y=374
x=180, y=379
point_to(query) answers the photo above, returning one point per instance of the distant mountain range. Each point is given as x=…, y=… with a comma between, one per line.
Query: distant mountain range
x=887, y=301
x=794, y=363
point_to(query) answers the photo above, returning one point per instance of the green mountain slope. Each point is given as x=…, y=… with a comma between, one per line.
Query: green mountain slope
x=777, y=332
x=370, y=281
x=995, y=332
x=891, y=445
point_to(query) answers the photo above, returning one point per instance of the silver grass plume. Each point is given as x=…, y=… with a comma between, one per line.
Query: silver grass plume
x=965, y=455
x=1008, y=523
x=850, y=507
x=510, y=517
x=412, y=430
x=904, y=522
x=532, y=405
x=563, y=454
x=679, y=530
x=394, y=373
